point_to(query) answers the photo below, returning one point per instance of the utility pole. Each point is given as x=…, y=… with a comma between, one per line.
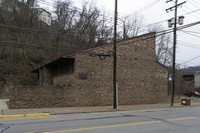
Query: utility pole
x=115, y=92
x=170, y=23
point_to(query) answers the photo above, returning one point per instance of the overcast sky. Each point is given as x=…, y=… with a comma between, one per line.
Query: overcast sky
x=188, y=47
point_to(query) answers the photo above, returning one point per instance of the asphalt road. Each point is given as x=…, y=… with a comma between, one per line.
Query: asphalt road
x=171, y=120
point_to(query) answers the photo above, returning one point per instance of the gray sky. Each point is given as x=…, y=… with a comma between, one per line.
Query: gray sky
x=188, y=43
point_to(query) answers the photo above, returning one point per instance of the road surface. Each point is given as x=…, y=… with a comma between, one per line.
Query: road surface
x=170, y=120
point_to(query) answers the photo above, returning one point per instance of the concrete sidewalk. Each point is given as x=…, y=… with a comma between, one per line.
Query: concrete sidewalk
x=71, y=110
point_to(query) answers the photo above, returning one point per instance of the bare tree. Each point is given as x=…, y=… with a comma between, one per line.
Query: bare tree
x=131, y=25
x=86, y=25
x=80, y=26
x=64, y=22
x=105, y=30
x=163, y=46
x=19, y=14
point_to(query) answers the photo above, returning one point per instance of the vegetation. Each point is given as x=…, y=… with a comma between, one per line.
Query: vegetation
x=4, y=98
x=26, y=42
x=7, y=102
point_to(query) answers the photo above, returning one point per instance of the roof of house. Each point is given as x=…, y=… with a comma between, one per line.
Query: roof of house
x=52, y=62
x=43, y=10
x=70, y=55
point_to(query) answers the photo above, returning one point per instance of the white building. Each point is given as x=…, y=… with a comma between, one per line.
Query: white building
x=44, y=16
x=2, y=1
x=197, y=79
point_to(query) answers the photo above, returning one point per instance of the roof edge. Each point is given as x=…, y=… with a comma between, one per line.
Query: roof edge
x=89, y=49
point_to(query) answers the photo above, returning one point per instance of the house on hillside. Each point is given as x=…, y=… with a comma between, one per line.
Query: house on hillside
x=2, y=1
x=44, y=16
x=14, y=4
x=18, y=5
x=79, y=79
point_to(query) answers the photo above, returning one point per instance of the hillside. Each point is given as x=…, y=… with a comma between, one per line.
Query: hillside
x=190, y=70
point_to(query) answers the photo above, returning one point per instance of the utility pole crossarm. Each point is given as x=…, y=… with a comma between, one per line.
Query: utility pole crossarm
x=176, y=6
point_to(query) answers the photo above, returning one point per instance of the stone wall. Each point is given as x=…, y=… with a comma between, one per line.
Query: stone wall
x=57, y=96
x=141, y=79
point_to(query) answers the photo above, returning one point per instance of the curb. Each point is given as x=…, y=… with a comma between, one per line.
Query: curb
x=24, y=115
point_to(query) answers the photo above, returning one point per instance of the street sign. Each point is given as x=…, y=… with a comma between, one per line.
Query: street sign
x=170, y=77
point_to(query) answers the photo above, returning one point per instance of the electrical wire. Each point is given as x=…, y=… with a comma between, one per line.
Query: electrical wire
x=145, y=7
x=164, y=32
x=191, y=31
x=190, y=43
x=120, y=19
x=194, y=5
x=143, y=30
x=190, y=34
x=190, y=60
x=196, y=2
x=125, y=43
x=190, y=12
x=72, y=8
x=45, y=32
x=189, y=46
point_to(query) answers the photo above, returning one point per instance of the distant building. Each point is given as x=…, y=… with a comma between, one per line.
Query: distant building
x=2, y=1
x=44, y=16
x=197, y=79
x=14, y=4
x=193, y=79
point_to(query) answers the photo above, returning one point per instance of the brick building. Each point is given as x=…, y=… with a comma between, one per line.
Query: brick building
x=79, y=79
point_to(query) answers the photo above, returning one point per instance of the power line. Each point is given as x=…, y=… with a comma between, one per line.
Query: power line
x=72, y=8
x=194, y=44
x=148, y=25
x=191, y=12
x=193, y=4
x=155, y=2
x=157, y=35
x=196, y=2
x=138, y=11
x=189, y=46
x=32, y=47
x=145, y=7
x=191, y=31
x=190, y=60
x=83, y=51
x=190, y=34
x=42, y=31
x=164, y=32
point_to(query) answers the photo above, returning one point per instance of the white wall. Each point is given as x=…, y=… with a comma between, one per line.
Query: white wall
x=45, y=17
x=197, y=80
